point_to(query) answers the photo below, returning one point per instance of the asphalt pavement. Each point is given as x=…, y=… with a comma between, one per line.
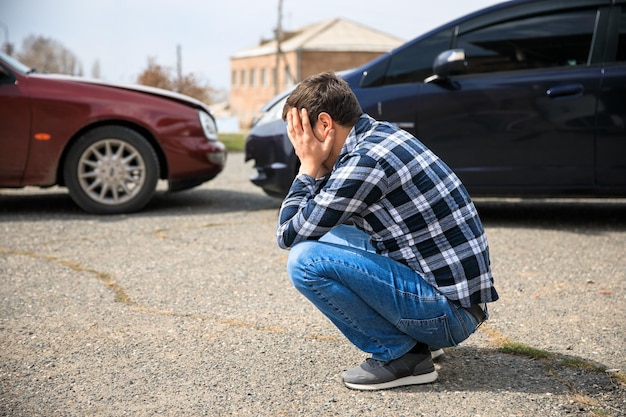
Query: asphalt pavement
x=185, y=309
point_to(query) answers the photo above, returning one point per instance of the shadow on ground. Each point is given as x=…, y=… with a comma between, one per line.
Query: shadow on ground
x=551, y=213
x=470, y=369
x=556, y=213
x=197, y=201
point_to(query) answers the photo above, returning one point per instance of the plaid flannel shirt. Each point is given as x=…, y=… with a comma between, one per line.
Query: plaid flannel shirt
x=412, y=205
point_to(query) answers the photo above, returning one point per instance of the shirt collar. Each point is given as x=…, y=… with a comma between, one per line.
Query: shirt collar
x=361, y=126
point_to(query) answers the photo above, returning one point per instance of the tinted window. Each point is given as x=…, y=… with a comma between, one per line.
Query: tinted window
x=5, y=76
x=410, y=64
x=537, y=42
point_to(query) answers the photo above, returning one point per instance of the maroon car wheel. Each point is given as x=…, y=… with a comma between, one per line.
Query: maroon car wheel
x=110, y=170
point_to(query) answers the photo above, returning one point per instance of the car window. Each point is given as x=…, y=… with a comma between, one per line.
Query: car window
x=15, y=64
x=410, y=64
x=274, y=112
x=554, y=40
x=621, y=43
x=5, y=75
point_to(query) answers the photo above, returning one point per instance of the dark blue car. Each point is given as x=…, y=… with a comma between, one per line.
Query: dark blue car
x=525, y=98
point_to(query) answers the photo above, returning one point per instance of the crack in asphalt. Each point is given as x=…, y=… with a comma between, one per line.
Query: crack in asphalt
x=122, y=295
x=495, y=338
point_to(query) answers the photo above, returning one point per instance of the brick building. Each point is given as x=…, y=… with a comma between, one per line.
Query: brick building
x=332, y=45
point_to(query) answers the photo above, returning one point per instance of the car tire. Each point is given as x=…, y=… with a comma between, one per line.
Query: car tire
x=111, y=170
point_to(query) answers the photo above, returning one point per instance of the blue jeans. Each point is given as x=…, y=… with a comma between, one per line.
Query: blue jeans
x=382, y=306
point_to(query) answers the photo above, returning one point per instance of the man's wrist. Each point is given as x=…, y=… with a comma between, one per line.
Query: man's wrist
x=307, y=170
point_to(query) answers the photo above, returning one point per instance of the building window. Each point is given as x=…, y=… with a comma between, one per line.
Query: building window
x=252, y=77
x=233, y=78
x=263, y=75
x=242, y=78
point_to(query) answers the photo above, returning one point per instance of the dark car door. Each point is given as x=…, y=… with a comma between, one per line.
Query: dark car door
x=14, y=129
x=523, y=116
x=611, y=136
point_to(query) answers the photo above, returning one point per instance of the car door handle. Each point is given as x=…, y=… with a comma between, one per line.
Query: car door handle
x=565, y=91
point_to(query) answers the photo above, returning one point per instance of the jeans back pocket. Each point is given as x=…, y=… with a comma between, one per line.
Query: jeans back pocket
x=434, y=332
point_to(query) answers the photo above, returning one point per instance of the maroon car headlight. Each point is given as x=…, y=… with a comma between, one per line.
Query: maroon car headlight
x=208, y=125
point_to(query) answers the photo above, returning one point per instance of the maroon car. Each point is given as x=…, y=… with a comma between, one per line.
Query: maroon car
x=108, y=144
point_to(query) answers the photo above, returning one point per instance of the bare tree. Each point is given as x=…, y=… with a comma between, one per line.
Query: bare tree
x=191, y=86
x=162, y=77
x=95, y=69
x=48, y=55
x=156, y=76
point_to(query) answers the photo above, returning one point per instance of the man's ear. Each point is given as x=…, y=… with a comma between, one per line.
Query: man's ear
x=325, y=122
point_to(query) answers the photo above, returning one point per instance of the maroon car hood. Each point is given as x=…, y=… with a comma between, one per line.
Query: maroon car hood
x=132, y=87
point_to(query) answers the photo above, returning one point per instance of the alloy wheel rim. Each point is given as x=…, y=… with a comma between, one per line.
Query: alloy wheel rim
x=111, y=172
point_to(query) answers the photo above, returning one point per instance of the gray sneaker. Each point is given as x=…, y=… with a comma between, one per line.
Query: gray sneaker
x=410, y=369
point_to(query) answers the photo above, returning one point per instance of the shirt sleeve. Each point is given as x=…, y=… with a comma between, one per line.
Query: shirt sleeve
x=313, y=207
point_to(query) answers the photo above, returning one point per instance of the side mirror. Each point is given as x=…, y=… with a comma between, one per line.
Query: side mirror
x=448, y=63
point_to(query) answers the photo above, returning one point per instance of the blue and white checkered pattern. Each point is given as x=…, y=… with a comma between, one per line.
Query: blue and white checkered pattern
x=407, y=199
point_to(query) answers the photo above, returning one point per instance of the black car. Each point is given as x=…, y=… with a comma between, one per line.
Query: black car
x=524, y=98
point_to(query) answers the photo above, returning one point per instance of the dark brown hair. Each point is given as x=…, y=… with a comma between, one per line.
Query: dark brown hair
x=325, y=92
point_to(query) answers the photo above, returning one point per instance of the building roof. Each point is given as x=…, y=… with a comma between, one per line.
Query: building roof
x=336, y=35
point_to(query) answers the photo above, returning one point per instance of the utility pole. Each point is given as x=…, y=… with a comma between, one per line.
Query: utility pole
x=279, y=37
x=179, y=67
x=279, y=51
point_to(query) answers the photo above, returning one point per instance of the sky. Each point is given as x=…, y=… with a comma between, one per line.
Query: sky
x=121, y=35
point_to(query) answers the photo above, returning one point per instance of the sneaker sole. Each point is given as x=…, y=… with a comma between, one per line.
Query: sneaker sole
x=436, y=353
x=400, y=382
